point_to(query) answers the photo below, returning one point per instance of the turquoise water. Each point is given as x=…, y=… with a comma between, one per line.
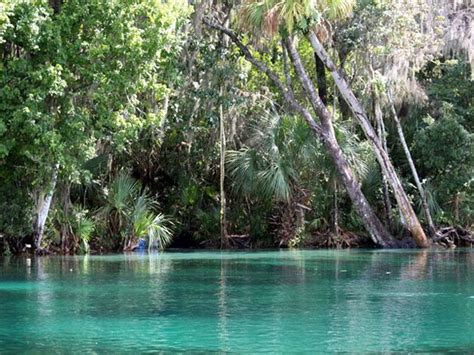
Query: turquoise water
x=281, y=301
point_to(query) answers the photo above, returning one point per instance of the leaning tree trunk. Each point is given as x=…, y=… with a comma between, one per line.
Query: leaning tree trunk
x=409, y=218
x=381, y=133
x=378, y=232
x=325, y=132
x=43, y=203
x=421, y=190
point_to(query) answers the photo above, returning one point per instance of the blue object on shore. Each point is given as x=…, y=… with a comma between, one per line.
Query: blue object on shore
x=141, y=245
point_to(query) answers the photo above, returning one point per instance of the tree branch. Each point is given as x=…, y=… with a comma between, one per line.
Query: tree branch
x=287, y=93
x=286, y=67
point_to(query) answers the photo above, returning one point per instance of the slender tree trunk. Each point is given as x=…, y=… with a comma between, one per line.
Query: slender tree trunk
x=325, y=132
x=43, y=203
x=64, y=191
x=409, y=218
x=381, y=133
x=321, y=79
x=223, y=221
x=377, y=231
x=286, y=66
x=456, y=207
x=335, y=215
x=421, y=190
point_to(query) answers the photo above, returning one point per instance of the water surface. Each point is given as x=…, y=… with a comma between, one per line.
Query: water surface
x=297, y=301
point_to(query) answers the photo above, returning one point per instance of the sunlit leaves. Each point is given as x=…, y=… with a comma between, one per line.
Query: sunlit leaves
x=270, y=16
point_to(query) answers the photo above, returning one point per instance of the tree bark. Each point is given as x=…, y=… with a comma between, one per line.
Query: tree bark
x=456, y=203
x=381, y=133
x=409, y=218
x=419, y=186
x=43, y=204
x=286, y=67
x=64, y=191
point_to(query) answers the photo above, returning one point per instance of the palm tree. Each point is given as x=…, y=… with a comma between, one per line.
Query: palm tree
x=270, y=16
x=83, y=227
x=280, y=162
x=409, y=217
x=130, y=214
x=119, y=197
x=145, y=223
x=160, y=230
x=270, y=167
x=269, y=163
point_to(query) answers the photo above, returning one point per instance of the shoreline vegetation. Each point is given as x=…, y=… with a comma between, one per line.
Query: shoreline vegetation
x=288, y=124
x=446, y=238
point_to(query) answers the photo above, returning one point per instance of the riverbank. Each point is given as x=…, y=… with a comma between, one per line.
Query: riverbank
x=446, y=237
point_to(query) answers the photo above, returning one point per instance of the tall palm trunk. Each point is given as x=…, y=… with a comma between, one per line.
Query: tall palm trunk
x=419, y=186
x=43, y=204
x=409, y=218
x=223, y=221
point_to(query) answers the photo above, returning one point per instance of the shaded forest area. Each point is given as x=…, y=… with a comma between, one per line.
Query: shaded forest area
x=235, y=124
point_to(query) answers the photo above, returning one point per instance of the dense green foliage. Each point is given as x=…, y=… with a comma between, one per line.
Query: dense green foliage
x=122, y=99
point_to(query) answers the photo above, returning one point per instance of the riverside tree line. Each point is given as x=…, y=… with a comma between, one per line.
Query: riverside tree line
x=324, y=123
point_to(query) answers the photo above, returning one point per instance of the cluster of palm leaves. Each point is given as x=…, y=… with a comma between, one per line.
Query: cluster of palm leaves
x=130, y=214
x=83, y=227
x=270, y=16
x=282, y=152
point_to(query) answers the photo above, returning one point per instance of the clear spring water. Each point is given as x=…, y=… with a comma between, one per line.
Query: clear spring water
x=298, y=301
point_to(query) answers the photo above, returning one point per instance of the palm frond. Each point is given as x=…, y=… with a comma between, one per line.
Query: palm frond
x=83, y=227
x=335, y=9
x=121, y=191
x=243, y=168
x=160, y=231
x=268, y=16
